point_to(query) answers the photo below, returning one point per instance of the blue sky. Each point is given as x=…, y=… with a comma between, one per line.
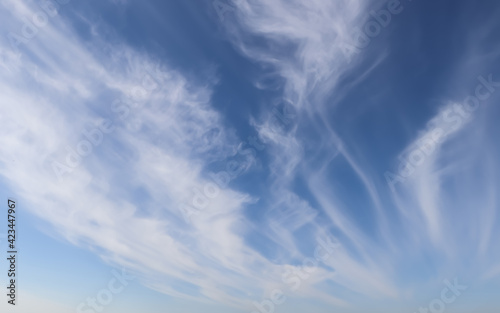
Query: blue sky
x=252, y=155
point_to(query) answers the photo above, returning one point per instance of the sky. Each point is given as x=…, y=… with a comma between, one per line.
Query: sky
x=251, y=155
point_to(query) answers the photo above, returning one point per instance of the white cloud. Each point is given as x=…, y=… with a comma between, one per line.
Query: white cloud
x=75, y=88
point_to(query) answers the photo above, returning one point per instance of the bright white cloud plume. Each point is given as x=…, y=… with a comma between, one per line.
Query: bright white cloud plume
x=112, y=147
x=303, y=44
x=91, y=125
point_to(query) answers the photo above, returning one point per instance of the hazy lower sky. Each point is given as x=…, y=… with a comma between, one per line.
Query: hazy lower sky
x=237, y=156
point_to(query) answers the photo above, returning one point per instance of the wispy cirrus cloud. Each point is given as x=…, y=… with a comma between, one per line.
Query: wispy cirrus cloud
x=301, y=44
x=164, y=156
x=124, y=199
